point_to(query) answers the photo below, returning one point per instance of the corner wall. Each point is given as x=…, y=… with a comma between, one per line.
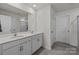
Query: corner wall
x=43, y=25
x=52, y=26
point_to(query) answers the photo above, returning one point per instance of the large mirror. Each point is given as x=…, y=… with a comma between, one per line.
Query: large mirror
x=12, y=24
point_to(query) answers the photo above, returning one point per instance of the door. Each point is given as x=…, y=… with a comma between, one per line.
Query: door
x=12, y=51
x=62, y=29
x=26, y=48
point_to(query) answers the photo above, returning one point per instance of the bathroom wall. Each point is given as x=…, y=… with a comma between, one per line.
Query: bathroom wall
x=43, y=25
x=52, y=25
x=46, y=23
x=72, y=13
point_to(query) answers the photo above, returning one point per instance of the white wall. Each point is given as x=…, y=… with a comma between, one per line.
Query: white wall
x=52, y=25
x=46, y=23
x=43, y=25
x=73, y=13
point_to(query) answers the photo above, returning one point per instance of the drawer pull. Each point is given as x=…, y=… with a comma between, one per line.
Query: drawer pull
x=21, y=48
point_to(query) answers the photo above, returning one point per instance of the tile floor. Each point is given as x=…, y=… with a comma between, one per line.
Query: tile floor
x=60, y=49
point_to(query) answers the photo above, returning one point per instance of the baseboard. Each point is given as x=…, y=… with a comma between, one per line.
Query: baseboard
x=63, y=43
x=52, y=46
x=38, y=51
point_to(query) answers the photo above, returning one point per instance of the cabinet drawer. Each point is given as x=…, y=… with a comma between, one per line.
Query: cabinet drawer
x=10, y=44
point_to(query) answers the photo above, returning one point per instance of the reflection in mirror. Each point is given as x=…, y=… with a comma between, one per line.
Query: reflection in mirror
x=12, y=24
x=23, y=25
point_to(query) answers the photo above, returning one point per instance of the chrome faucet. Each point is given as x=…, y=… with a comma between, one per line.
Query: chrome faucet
x=31, y=31
x=15, y=34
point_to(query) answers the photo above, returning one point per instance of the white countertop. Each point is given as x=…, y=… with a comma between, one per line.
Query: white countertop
x=19, y=36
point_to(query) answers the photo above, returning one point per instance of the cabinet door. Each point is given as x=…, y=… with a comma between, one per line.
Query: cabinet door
x=12, y=51
x=26, y=48
x=34, y=44
x=0, y=49
x=39, y=40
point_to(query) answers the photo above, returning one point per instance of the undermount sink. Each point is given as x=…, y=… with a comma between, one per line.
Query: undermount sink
x=16, y=36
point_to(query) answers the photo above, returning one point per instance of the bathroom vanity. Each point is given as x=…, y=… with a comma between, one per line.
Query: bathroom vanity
x=25, y=44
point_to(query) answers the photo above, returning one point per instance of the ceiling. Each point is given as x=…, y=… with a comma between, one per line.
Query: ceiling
x=38, y=5
x=11, y=9
x=64, y=6
x=56, y=6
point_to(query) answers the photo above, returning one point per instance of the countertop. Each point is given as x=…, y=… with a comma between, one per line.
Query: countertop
x=19, y=36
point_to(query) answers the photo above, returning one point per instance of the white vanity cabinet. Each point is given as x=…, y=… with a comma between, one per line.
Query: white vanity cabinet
x=22, y=46
x=26, y=46
x=36, y=42
x=12, y=51
x=11, y=48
